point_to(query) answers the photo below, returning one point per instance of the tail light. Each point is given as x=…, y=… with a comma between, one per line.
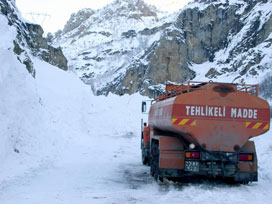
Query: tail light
x=192, y=155
x=246, y=157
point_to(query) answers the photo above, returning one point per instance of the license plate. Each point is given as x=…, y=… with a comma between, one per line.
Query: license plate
x=192, y=166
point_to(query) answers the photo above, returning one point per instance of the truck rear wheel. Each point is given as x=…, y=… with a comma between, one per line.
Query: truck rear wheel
x=154, y=161
x=145, y=158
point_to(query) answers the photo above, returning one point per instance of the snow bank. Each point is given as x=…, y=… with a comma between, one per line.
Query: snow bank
x=37, y=116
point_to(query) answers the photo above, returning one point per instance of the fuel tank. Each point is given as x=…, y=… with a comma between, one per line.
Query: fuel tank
x=215, y=116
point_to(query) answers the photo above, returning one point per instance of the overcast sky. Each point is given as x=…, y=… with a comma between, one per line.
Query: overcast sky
x=60, y=10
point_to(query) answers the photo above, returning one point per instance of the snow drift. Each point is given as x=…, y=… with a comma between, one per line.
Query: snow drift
x=36, y=113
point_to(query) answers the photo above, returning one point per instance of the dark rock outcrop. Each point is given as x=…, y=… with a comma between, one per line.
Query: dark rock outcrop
x=39, y=46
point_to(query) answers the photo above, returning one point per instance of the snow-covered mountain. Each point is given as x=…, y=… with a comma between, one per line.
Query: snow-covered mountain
x=104, y=45
x=129, y=46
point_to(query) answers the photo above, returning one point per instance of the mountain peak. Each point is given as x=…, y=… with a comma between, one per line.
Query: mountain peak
x=118, y=10
x=77, y=18
x=131, y=8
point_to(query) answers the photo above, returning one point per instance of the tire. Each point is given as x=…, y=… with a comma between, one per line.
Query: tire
x=154, y=163
x=145, y=159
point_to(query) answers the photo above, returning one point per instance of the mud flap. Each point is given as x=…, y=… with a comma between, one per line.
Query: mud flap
x=171, y=153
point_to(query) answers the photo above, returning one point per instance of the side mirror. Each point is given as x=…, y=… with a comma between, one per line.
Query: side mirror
x=143, y=107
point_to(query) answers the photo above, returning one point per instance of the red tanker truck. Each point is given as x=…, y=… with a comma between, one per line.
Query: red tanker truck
x=203, y=129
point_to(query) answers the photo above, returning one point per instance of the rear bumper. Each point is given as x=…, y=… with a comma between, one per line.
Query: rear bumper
x=210, y=164
x=174, y=165
x=239, y=177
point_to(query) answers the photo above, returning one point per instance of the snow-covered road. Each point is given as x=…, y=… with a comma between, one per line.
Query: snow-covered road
x=105, y=167
x=87, y=172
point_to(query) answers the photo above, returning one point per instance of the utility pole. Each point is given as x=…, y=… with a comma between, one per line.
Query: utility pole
x=38, y=17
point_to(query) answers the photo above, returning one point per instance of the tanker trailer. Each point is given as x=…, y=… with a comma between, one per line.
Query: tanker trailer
x=203, y=129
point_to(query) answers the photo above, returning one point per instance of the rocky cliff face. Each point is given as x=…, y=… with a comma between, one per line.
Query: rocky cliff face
x=207, y=40
x=29, y=41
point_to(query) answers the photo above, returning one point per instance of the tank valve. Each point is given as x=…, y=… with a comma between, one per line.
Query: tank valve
x=192, y=146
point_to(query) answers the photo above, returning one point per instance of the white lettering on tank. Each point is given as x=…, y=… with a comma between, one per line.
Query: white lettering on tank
x=239, y=114
x=220, y=112
x=197, y=110
x=245, y=113
x=192, y=110
x=255, y=114
x=233, y=112
x=215, y=111
x=161, y=112
x=210, y=111
x=250, y=113
x=202, y=111
x=188, y=110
